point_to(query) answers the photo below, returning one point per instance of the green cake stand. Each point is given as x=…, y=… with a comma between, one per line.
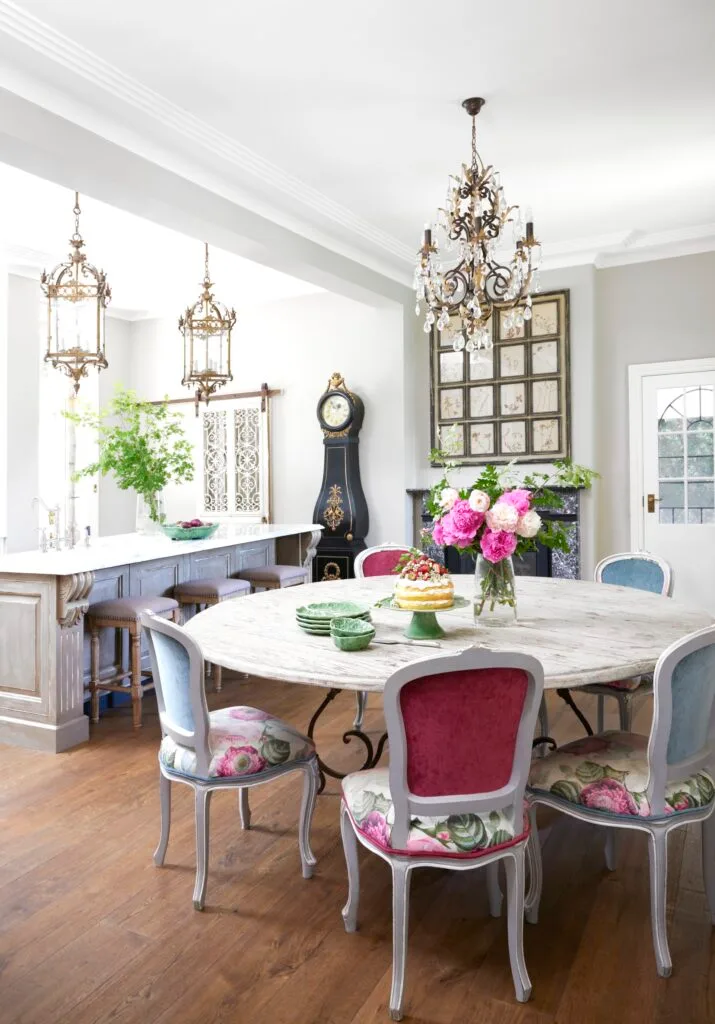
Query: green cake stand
x=422, y=625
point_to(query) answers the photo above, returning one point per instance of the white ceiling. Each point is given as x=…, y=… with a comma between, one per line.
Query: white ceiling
x=152, y=271
x=346, y=119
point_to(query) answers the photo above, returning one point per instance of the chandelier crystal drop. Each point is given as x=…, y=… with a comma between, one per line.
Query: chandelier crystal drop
x=463, y=281
x=206, y=327
x=77, y=297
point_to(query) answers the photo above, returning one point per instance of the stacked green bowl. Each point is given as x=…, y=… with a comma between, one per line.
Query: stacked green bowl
x=351, y=634
x=316, y=618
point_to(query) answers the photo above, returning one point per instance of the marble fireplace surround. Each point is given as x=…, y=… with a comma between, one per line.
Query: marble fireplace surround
x=558, y=564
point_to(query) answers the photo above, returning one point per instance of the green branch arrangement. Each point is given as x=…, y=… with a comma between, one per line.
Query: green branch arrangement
x=141, y=444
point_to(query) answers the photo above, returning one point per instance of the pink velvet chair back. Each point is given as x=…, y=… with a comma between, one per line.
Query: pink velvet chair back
x=379, y=561
x=460, y=731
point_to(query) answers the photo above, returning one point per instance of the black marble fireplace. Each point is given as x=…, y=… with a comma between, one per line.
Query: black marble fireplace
x=542, y=562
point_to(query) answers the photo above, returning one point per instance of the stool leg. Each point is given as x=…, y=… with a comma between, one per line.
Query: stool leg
x=136, y=666
x=94, y=676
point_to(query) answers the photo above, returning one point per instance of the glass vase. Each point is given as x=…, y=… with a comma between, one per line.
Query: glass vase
x=150, y=513
x=494, y=592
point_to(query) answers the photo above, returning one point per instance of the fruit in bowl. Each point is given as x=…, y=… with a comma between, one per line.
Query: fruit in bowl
x=189, y=529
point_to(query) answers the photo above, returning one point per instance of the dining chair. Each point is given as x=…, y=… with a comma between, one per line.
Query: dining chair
x=380, y=560
x=232, y=748
x=642, y=571
x=451, y=797
x=653, y=784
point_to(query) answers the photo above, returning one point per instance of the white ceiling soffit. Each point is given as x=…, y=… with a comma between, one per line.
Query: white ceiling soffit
x=598, y=116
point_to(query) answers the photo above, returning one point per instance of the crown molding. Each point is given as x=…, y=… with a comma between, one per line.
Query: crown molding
x=76, y=60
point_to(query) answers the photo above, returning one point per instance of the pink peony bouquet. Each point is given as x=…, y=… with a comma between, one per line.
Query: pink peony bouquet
x=496, y=518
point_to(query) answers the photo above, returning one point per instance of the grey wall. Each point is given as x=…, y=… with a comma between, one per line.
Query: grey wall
x=645, y=313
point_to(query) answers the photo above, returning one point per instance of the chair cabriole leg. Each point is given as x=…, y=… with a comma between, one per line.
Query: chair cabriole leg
x=307, y=807
x=494, y=889
x=202, y=808
x=600, y=713
x=515, y=876
x=624, y=712
x=244, y=808
x=165, y=801
x=658, y=857
x=350, y=849
x=536, y=871
x=400, y=925
x=611, y=849
x=708, y=842
x=360, y=705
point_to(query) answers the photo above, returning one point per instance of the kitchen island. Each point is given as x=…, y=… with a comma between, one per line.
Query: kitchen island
x=44, y=659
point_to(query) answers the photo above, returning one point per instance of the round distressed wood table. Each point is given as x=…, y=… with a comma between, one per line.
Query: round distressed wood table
x=581, y=632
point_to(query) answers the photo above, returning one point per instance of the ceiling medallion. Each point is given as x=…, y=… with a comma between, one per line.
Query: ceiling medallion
x=465, y=280
x=206, y=327
x=77, y=296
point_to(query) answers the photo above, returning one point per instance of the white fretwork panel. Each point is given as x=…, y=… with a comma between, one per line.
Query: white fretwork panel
x=215, y=461
x=235, y=460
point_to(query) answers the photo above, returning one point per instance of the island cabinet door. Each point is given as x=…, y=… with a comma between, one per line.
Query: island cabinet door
x=152, y=579
x=211, y=564
x=254, y=556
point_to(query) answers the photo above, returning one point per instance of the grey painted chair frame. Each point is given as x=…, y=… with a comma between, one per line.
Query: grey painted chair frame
x=626, y=698
x=361, y=695
x=660, y=773
x=407, y=804
x=202, y=785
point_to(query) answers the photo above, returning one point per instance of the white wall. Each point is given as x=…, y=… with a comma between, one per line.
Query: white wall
x=117, y=508
x=23, y=411
x=646, y=312
x=295, y=345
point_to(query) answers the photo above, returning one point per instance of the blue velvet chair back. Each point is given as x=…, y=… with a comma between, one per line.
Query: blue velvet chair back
x=682, y=738
x=638, y=570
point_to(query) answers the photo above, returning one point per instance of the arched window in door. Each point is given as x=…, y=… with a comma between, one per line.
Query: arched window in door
x=686, y=481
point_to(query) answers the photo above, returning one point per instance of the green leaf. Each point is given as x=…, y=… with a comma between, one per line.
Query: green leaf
x=567, y=790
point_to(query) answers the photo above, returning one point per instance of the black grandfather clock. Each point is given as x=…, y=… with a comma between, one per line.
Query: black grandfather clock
x=341, y=507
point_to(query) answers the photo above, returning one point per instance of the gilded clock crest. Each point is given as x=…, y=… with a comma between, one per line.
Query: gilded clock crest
x=334, y=512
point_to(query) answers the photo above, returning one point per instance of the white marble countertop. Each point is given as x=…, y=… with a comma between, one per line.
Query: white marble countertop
x=582, y=632
x=130, y=548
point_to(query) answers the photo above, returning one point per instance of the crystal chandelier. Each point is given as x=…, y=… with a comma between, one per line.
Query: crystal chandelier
x=206, y=327
x=467, y=279
x=77, y=297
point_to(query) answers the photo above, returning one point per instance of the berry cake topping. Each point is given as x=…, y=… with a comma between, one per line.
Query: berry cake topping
x=420, y=567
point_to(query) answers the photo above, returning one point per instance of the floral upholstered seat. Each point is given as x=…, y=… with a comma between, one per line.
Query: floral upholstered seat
x=242, y=741
x=369, y=803
x=609, y=773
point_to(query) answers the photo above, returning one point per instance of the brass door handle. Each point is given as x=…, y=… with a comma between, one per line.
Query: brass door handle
x=650, y=502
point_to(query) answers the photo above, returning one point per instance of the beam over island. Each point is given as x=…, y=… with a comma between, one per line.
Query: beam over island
x=44, y=660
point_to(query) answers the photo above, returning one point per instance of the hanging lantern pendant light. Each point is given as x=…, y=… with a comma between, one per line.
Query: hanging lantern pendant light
x=206, y=327
x=77, y=297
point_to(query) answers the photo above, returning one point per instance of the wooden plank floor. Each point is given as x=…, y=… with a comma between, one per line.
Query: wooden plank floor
x=90, y=931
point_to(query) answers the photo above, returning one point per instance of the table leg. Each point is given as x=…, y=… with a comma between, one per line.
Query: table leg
x=566, y=697
x=372, y=754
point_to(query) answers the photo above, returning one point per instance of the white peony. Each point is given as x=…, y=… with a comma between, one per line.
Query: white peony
x=448, y=497
x=479, y=501
x=502, y=517
x=529, y=524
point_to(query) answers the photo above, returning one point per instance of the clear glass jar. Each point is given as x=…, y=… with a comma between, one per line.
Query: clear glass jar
x=494, y=592
x=150, y=513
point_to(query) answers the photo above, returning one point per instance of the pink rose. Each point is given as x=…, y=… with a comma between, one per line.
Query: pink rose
x=608, y=795
x=460, y=525
x=502, y=516
x=497, y=545
x=438, y=532
x=424, y=844
x=246, y=714
x=240, y=761
x=375, y=828
x=520, y=499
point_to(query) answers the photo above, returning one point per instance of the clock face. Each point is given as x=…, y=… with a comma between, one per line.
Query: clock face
x=335, y=411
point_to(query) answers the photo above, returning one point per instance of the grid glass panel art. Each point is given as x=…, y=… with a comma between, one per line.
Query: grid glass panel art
x=511, y=401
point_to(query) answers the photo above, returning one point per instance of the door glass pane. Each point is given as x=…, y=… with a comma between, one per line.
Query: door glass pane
x=686, y=486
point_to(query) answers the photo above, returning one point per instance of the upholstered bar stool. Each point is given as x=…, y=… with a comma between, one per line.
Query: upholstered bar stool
x=123, y=613
x=275, y=577
x=202, y=594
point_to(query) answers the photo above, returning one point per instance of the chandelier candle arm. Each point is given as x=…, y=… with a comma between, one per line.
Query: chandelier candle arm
x=206, y=328
x=77, y=297
x=463, y=281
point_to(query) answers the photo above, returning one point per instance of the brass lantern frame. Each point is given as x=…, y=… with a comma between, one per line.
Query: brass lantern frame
x=206, y=319
x=74, y=281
